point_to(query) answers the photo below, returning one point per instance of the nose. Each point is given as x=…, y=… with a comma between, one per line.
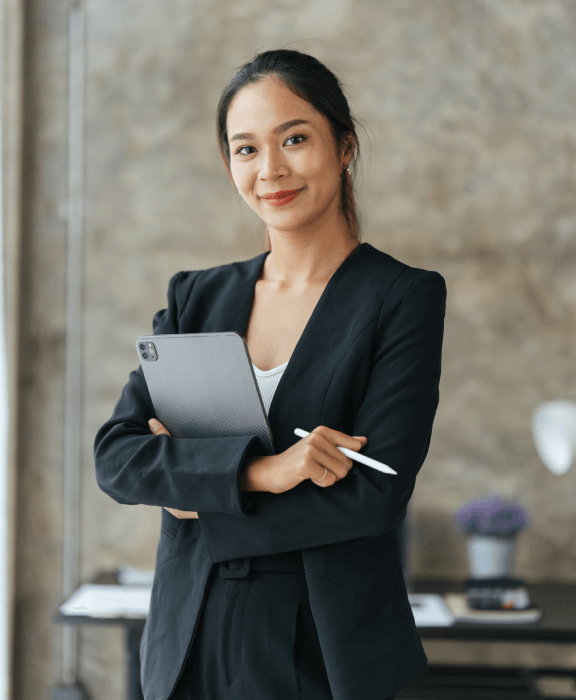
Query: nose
x=272, y=165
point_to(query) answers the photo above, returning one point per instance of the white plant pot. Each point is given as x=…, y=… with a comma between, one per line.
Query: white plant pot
x=491, y=556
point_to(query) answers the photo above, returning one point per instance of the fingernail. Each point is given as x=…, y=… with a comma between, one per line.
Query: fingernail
x=153, y=423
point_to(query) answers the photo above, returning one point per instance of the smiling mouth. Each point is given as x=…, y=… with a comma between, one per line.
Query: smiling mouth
x=283, y=197
x=280, y=194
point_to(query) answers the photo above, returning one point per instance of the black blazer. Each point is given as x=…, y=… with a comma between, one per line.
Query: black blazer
x=367, y=363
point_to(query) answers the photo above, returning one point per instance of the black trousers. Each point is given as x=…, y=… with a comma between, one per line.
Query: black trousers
x=256, y=638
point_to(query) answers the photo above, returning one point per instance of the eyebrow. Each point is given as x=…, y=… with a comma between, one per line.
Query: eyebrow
x=277, y=130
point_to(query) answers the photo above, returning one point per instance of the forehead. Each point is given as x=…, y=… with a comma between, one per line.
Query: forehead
x=261, y=106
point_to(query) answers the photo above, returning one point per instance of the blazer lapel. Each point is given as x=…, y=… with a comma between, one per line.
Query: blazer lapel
x=326, y=337
x=332, y=327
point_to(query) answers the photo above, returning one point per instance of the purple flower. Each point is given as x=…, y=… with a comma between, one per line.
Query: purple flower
x=492, y=515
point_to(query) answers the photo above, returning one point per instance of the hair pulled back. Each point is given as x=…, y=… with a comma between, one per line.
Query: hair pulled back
x=312, y=81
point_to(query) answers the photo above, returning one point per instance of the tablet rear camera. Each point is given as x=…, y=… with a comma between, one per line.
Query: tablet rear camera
x=148, y=351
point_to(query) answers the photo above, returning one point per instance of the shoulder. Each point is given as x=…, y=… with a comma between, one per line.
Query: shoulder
x=186, y=282
x=188, y=287
x=396, y=279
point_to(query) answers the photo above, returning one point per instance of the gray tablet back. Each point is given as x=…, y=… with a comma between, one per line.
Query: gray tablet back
x=202, y=385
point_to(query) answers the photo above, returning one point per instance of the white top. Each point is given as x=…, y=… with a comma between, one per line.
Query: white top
x=268, y=381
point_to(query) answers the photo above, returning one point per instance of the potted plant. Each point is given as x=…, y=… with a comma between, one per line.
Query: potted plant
x=491, y=523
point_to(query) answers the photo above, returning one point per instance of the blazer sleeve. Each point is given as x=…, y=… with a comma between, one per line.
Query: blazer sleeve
x=134, y=466
x=396, y=415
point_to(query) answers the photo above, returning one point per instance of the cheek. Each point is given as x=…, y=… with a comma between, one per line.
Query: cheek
x=242, y=179
x=319, y=169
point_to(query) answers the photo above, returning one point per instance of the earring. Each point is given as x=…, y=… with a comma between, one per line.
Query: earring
x=346, y=170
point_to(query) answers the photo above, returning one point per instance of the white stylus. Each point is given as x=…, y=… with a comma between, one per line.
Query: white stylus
x=368, y=461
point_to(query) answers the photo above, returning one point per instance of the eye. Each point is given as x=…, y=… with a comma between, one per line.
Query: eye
x=242, y=148
x=296, y=136
x=241, y=151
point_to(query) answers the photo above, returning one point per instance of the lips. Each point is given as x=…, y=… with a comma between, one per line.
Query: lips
x=282, y=197
x=281, y=194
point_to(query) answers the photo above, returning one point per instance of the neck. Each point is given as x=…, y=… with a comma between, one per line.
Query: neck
x=305, y=258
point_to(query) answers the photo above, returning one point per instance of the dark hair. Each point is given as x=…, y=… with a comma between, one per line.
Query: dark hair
x=308, y=78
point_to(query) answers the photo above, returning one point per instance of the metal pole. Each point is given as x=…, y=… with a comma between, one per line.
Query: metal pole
x=11, y=130
x=4, y=418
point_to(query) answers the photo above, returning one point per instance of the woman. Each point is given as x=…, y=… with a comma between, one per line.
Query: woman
x=279, y=577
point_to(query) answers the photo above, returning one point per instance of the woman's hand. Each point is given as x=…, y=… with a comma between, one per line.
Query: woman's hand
x=306, y=459
x=158, y=429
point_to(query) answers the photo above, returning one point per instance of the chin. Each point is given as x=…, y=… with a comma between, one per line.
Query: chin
x=286, y=223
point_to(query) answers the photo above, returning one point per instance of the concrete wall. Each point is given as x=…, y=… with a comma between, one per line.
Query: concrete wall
x=469, y=169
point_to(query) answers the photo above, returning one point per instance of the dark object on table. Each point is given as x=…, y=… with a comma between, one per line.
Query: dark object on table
x=503, y=593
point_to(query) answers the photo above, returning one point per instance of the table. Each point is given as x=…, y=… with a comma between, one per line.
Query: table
x=441, y=681
x=446, y=682
x=133, y=627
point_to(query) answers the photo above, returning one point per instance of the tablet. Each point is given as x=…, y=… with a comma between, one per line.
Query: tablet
x=202, y=385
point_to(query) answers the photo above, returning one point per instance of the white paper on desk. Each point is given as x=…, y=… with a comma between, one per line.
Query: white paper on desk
x=102, y=600
x=131, y=576
x=430, y=610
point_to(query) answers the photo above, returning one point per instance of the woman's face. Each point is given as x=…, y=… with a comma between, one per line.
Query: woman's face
x=270, y=153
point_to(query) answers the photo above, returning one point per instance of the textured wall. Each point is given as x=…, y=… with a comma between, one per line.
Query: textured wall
x=469, y=169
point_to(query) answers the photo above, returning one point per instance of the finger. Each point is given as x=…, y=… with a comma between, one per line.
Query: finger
x=173, y=511
x=324, y=478
x=338, y=438
x=182, y=514
x=157, y=428
x=328, y=447
x=332, y=462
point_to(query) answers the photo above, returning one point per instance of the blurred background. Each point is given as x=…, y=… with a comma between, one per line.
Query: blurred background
x=112, y=182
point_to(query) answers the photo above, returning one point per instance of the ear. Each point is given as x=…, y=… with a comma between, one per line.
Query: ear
x=348, y=147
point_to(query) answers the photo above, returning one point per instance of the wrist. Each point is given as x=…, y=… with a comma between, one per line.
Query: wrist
x=251, y=478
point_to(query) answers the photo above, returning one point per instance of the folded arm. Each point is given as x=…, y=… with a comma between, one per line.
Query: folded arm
x=396, y=416
x=134, y=466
